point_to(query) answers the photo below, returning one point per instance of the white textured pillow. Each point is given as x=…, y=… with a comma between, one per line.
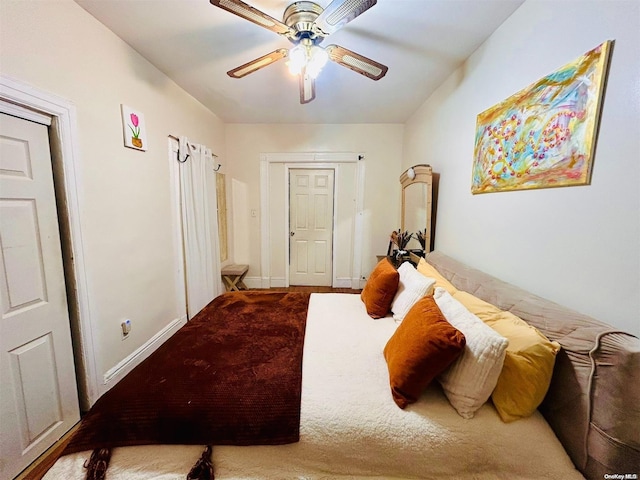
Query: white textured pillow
x=411, y=288
x=469, y=381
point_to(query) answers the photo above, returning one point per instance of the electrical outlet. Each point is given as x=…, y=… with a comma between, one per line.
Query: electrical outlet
x=126, y=328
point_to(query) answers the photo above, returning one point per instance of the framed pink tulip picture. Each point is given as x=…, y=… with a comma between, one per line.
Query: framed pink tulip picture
x=135, y=133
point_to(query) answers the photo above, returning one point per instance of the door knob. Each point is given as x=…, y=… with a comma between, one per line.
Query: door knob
x=292, y=233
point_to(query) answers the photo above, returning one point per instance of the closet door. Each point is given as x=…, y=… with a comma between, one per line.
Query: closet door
x=38, y=394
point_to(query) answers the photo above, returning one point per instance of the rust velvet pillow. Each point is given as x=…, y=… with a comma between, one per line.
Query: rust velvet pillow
x=380, y=289
x=422, y=347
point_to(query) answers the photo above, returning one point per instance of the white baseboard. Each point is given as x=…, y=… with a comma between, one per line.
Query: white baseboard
x=354, y=283
x=278, y=282
x=115, y=374
x=266, y=282
x=253, y=282
x=342, y=283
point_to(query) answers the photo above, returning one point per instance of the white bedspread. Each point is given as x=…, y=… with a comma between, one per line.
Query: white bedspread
x=351, y=428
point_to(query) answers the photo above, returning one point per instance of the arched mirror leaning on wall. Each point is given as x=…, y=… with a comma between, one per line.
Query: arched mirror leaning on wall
x=417, y=192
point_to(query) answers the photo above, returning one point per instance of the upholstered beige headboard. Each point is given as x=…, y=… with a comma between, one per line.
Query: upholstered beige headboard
x=593, y=403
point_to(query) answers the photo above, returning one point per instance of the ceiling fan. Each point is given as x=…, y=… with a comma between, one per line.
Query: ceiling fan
x=306, y=24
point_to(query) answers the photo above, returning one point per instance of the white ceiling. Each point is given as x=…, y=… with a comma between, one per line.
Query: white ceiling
x=195, y=44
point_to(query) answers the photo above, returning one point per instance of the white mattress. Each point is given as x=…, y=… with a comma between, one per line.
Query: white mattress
x=351, y=428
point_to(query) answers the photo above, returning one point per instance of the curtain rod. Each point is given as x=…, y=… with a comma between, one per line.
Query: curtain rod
x=215, y=169
x=177, y=140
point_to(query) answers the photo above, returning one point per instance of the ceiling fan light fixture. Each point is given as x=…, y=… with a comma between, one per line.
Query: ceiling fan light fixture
x=308, y=57
x=317, y=59
x=306, y=24
x=297, y=59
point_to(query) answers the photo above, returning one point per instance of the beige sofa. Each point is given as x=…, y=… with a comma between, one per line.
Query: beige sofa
x=593, y=403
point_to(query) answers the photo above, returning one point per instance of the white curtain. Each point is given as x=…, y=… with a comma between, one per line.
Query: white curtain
x=199, y=226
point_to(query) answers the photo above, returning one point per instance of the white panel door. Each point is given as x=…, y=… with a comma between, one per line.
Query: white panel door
x=38, y=394
x=311, y=227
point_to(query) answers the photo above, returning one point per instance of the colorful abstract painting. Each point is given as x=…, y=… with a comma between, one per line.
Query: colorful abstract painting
x=543, y=136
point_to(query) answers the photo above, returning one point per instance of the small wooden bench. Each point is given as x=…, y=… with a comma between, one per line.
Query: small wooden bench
x=232, y=276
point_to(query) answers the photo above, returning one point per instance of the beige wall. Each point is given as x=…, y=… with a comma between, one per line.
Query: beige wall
x=577, y=246
x=382, y=147
x=125, y=199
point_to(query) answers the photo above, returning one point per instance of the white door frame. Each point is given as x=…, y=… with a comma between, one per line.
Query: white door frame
x=287, y=206
x=64, y=128
x=312, y=160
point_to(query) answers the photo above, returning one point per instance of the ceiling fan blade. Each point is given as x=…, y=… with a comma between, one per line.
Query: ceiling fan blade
x=340, y=12
x=258, y=63
x=241, y=9
x=307, y=87
x=356, y=62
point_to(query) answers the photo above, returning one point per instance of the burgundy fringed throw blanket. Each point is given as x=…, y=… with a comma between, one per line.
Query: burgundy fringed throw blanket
x=231, y=376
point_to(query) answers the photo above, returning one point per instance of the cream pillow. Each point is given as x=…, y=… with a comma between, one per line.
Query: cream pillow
x=429, y=270
x=528, y=364
x=469, y=381
x=411, y=288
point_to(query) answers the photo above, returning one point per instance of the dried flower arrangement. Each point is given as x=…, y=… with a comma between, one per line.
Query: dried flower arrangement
x=422, y=238
x=400, y=239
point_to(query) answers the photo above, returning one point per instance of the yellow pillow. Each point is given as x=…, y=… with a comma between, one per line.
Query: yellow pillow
x=528, y=365
x=429, y=270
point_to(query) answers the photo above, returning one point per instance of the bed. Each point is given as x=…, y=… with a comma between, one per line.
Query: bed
x=350, y=427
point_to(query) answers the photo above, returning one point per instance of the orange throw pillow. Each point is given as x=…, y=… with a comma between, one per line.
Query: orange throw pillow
x=380, y=289
x=422, y=347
